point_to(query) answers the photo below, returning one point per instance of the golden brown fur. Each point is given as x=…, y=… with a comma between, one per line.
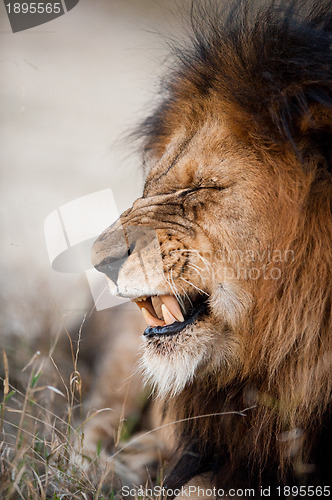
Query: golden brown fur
x=237, y=200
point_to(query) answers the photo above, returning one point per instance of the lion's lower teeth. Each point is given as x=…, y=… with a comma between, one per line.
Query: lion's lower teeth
x=173, y=307
x=151, y=320
x=168, y=317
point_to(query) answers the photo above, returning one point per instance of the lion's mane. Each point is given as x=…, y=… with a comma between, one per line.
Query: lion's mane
x=272, y=68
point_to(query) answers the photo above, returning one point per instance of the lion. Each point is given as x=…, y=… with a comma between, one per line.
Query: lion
x=228, y=252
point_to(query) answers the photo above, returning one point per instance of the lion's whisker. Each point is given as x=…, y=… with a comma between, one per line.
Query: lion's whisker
x=197, y=288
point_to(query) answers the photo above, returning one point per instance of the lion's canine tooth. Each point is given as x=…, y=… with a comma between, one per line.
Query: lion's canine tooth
x=168, y=317
x=173, y=307
x=147, y=305
x=151, y=320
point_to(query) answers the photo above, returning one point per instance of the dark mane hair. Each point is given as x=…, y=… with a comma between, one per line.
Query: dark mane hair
x=270, y=62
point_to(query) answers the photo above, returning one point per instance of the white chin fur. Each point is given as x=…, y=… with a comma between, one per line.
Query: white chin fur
x=170, y=374
x=175, y=366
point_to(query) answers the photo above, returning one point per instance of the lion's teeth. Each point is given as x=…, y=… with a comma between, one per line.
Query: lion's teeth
x=151, y=320
x=173, y=307
x=168, y=317
x=165, y=306
x=146, y=304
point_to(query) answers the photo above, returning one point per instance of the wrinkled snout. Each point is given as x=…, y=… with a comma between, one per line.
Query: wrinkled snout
x=130, y=257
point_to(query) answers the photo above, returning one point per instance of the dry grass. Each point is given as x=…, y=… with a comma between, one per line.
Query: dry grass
x=42, y=432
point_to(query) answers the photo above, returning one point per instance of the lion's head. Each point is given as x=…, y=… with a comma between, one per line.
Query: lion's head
x=228, y=252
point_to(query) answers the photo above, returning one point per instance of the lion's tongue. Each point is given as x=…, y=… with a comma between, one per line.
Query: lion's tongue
x=170, y=310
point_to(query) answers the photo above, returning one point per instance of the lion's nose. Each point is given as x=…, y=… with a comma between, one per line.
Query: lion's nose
x=111, y=268
x=117, y=243
x=110, y=251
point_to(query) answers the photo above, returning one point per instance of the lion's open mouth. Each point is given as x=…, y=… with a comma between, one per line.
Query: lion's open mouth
x=164, y=315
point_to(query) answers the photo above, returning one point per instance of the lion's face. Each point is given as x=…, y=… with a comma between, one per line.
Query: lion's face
x=193, y=251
